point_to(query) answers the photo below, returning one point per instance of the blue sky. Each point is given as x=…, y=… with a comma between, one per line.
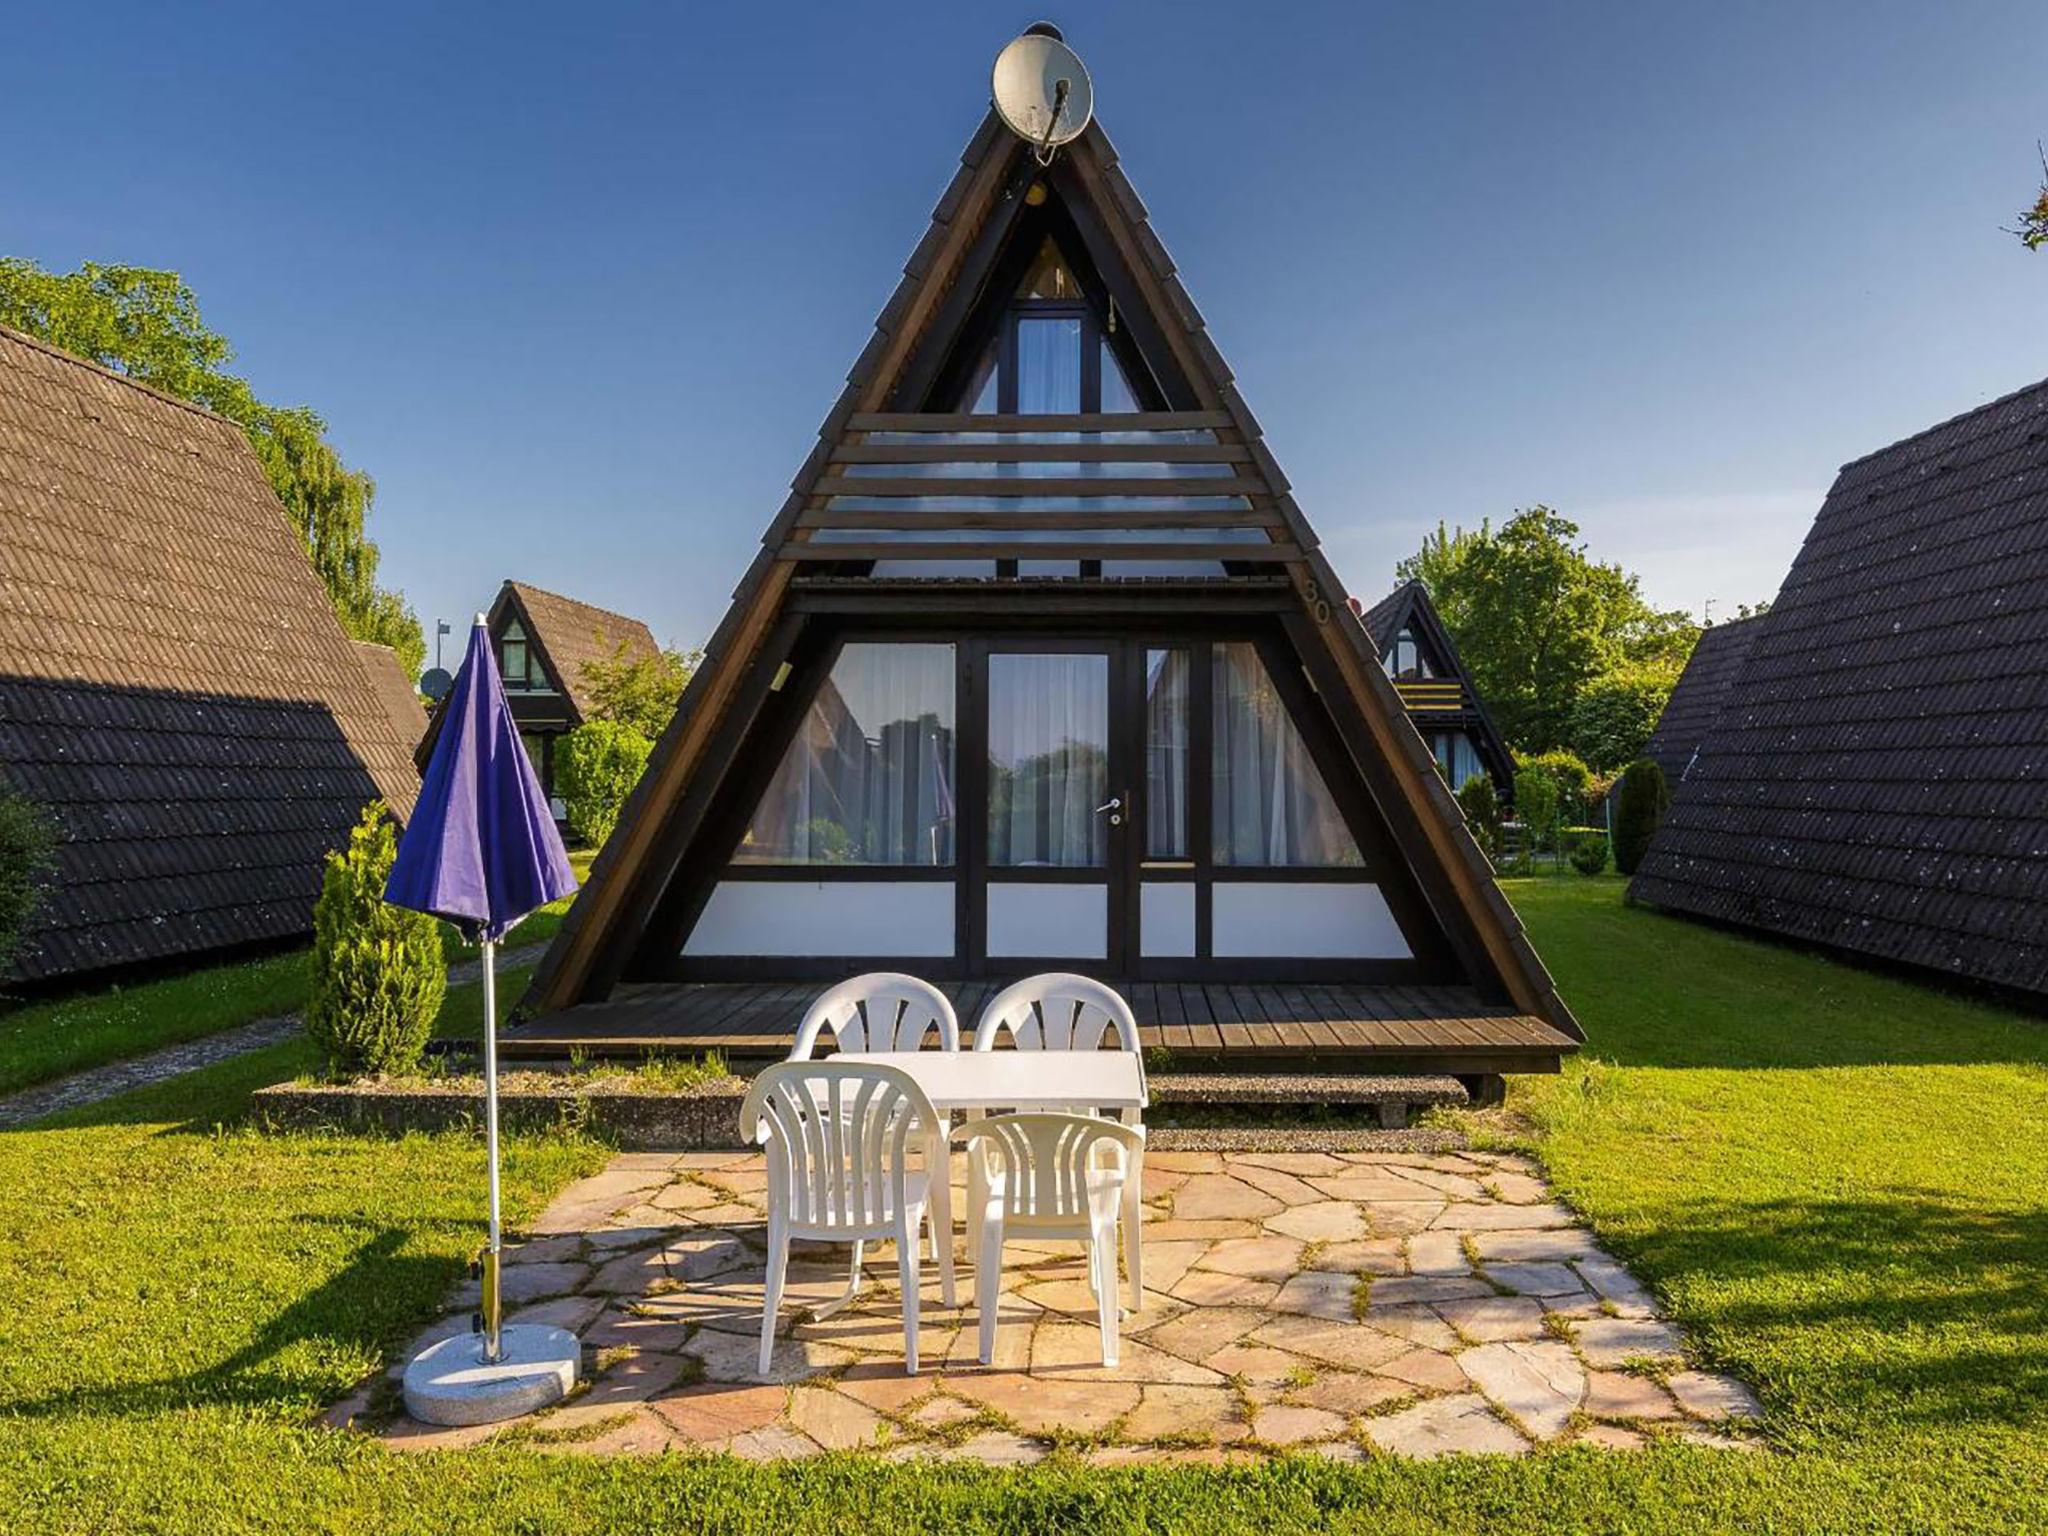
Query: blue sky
x=577, y=283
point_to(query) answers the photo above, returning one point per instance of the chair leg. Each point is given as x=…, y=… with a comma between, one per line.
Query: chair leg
x=988, y=1286
x=907, y=1237
x=771, y=1295
x=940, y=1214
x=1134, y=1233
x=845, y=1298
x=1102, y=1263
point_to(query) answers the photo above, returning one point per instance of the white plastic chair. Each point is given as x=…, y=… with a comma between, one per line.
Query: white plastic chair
x=841, y=1137
x=1041, y=1176
x=1060, y=1011
x=881, y=1011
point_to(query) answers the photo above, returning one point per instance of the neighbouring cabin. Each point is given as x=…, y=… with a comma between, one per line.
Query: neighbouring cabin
x=1435, y=689
x=1696, y=703
x=175, y=690
x=1871, y=778
x=543, y=642
x=1040, y=668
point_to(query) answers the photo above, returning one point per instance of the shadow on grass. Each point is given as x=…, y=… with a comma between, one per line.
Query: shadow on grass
x=1853, y=1313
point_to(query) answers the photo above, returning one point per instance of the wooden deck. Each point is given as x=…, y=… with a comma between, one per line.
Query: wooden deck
x=1387, y=1029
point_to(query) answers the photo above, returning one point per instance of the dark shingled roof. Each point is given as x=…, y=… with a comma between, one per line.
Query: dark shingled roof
x=570, y=634
x=395, y=691
x=174, y=687
x=1878, y=779
x=1694, y=705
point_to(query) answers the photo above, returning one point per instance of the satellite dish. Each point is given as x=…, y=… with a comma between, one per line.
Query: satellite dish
x=1042, y=91
x=435, y=683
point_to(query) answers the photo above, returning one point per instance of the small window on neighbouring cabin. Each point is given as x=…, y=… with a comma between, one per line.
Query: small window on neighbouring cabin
x=513, y=664
x=1406, y=660
x=1270, y=806
x=869, y=777
x=1050, y=277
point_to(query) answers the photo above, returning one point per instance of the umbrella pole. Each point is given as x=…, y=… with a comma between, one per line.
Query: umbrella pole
x=492, y=1311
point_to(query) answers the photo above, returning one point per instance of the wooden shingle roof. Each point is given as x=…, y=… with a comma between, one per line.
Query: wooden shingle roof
x=1703, y=688
x=569, y=635
x=1877, y=779
x=174, y=686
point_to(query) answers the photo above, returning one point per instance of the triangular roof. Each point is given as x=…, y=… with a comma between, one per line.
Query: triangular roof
x=567, y=635
x=1703, y=690
x=394, y=690
x=943, y=283
x=1873, y=779
x=1409, y=607
x=174, y=686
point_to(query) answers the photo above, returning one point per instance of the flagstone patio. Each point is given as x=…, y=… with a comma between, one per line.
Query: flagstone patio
x=1346, y=1303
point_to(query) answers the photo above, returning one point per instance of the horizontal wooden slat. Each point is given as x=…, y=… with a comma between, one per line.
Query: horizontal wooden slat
x=1040, y=453
x=960, y=517
x=962, y=421
x=960, y=485
x=1010, y=549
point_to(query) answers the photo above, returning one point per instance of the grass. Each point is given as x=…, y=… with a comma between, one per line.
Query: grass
x=44, y=1040
x=1834, y=1179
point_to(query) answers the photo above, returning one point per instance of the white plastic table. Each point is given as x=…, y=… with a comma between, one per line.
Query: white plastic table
x=1057, y=1080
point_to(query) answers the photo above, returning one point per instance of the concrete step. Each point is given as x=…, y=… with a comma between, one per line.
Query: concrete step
x=1396, y=1099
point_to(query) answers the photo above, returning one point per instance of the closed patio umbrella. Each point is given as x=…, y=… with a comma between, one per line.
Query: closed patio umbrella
x=481, y=850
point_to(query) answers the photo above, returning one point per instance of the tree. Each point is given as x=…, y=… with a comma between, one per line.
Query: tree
x=1614, y=714
x=1481, y=805
x=27, y=842
x=1536, y=619
x=378, y=972
x=146, y=324
x=639, y=691
x=1536, y=801
x=596, y=767
x=2033, y=230
x=1573, y=778
x=1640, y=804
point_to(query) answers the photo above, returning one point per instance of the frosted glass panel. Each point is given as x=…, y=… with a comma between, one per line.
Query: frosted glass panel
x=1054, y=922
x=838, y=917
x=1320, y=921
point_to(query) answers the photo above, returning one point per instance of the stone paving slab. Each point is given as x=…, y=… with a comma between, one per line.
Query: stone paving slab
x=1341, y=1303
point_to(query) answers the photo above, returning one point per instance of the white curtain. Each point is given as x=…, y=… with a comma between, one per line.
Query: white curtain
x=1048, y=760
x=1272, y=808
x=1166, y=754
x=869, y=777
x=1048, y=366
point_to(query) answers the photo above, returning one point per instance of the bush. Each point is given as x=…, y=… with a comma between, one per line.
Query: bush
x=27, y=843
x=1613, y=716
x=1481, y=805
x=1639, y=805
x=1589, y=855
x=596, y=767
x=1575, y=781
x=1536, y=805
x=378, y=976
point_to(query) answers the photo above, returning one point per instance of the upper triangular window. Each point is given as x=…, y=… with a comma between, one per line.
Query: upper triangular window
x=1049, y=276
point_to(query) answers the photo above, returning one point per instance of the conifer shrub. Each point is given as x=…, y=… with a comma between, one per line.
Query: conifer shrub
x=1589, y=854
x=378, y=973
x=596, y=767
x=1481, y=805
x=1639, y=805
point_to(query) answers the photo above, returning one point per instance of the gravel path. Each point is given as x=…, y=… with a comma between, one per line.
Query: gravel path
x=97, y=1083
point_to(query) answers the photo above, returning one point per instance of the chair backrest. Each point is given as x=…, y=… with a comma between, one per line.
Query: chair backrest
x=1057, y=1011
x=1045, y=1160
x=881, y=1011
x=839, y=1135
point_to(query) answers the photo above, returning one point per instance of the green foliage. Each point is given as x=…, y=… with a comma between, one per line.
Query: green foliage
x=596, y=767
x=378, y=976
x=1640, y=804
x=2033, y=230
x=146, y=324
x=1574, y=778
x=28, y=843
x=1481, y=805
x=1536, y=804
x=639, y=691
x=1536, y=619
x=1589, y=854
x=1614, y=714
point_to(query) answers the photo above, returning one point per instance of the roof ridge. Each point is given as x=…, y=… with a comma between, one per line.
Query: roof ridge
x=2036, y=387
x=53, y=350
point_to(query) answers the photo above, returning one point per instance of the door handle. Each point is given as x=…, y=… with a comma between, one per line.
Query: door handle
x=1115, y=806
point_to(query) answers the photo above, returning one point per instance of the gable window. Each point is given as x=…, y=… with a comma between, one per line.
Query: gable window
x=1051, y=355
x=1406, y=658
x=514, y=659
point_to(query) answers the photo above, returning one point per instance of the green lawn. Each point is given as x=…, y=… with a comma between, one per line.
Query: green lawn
x=44, y=1040
x=1834, y=1179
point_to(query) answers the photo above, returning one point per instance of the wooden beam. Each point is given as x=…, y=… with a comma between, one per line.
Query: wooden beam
x=964, y=517
x=1086, y=421
x=1018, y=485
x=1041, y=453
x=1011, y=549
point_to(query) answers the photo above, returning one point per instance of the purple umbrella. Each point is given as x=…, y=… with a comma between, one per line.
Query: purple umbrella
x=481, y=850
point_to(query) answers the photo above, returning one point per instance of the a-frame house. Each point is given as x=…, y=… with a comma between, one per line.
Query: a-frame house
x=1040, y=667
x=1448, y=713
